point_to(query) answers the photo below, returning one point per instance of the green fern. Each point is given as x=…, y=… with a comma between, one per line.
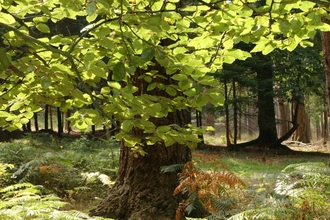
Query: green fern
x=26, y=201
x=301, y=192
x=270, y=213
x=5, y=176
x=172, y=168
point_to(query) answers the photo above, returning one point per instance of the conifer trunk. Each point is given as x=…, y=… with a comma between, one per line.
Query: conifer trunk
x=302, y=133
x=266, y=111
x=326, y=63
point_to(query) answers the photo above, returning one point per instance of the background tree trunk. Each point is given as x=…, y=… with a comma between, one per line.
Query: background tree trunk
x=326, y=60
x=266, y=111
x=325, y=133
x=199, y=123
x=46, y=117
x=235, y=109
x=302, y=133
x=283, y=117
x=36, y=125
x=59, y=122
x=227, y=115
x=67, y=123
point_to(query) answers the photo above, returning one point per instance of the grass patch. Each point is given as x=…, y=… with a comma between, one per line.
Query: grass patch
x=262, y=175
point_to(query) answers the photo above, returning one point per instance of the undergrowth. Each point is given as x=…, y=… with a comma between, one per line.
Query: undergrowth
x=301, y=191
x=27, y=201
x=213, y=193
x=79, y=171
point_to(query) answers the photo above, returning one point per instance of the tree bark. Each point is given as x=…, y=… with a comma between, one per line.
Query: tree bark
x=199, y=124
x=266, y=111
x=302, y=133
x=283, y=117
x=67, y=122
x=235, y=111
x=46, y=117
x=326, y=62
x=227, y=115
x=325, y=133
x=36, y=125
x=59, y=122
x=141, y=191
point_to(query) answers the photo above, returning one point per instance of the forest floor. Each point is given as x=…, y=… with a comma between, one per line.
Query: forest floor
x=76, y=153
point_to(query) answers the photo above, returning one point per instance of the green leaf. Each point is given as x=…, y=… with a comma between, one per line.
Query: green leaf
x=216, y=99
x=43, y=28
x=4, y=114
x=119, y=72
x=7, y=18
x=105, y=90
x=179, y=50
x=106, y=42
x=4, y=61
x=148, y=54
x=170, y=90
x=185, y=84
x=269, y=48
x=163, y=129
x=99, y=72
x=91, y=8
x=127, y=125
x=114, y=85
x=151, y=86
x=45, y=82
x=201, y=101
x=179, y=77
x=228, y=44
x=168, y=140
x=16, y=106
x=208, y=81
x=81, y=125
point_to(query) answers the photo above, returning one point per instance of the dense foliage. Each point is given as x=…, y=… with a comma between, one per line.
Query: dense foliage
x=81, y=55
x=77, y=170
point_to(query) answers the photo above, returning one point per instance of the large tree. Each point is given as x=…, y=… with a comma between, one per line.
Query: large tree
x=154, y=57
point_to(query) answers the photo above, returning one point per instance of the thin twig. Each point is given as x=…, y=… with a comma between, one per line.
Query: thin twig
x=209, y=64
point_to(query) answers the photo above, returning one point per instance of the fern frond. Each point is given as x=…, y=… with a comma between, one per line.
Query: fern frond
x=172, y=168
x=206, y=188
x=270, y=213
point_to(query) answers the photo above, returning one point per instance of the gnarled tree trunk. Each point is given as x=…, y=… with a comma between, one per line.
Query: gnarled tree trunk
x=141, y=190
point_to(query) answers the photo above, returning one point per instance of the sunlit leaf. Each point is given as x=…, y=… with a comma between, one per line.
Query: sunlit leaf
x=43, y=28
x=7, y=18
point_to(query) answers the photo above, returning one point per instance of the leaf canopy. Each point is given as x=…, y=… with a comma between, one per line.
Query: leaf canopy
x=73, y=54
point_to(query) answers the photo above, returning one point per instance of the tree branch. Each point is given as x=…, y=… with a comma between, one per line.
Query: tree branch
x=320, y=2
x=63, y=53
